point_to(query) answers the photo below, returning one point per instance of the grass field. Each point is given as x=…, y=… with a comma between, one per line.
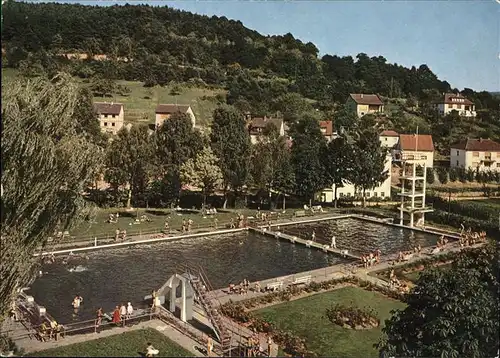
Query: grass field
x=140, y=103
x=306, y=318
x=97, y=226
x=491, y=202
x=128, y=344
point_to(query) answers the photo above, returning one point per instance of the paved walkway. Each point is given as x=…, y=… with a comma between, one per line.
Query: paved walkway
x=34, y=345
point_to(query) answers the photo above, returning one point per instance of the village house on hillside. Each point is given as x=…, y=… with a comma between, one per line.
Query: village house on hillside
x=415, y=147
x=327, y=130
x=110, y=116
x=164, y=111
x=257, y=125
x=456, y=102
x=480, y=154
x=365, y=104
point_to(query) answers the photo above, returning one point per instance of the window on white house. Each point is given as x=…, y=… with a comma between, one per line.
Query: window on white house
x=113, y=116
x=382, y=194
x=375, y=194
x=367, y=195
x=457, y=163
x=112, y=124
x=105, y=124
x=457, y=152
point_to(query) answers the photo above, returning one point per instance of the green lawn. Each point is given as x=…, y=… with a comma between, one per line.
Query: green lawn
x=98, y=227
x=140, y=103
x=306, y=318
x=128, y=344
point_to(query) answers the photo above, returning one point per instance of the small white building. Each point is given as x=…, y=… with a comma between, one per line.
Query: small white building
x=418, y=147
x=389, y=139
x=257, y=126
x=456, y=102
x=164, y=111
x=480, y=154
x=110, y=116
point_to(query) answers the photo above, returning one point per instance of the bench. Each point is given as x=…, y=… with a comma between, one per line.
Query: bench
x=304, y=280
x=274, y=286
x=299, y=213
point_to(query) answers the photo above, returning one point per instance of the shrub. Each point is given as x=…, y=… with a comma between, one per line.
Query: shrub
x=453, y=174
x=442, y=175
x=461, y=175
x=353, y=317
x=470, y=174
x=430, y=175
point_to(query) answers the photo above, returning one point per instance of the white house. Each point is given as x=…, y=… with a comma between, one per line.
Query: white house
x=481, y=154
x=415, y=146
x=389, y=139
x=456, y=102
x=257, y=125
x=164, y=111
x=110, y=116
x=382, y=191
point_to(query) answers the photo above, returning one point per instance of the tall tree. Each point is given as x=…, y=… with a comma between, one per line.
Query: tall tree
x=129, y=161
x=308, y=146
x=176, y=142
x=271, y=167
x=450, y=313
x=338, y=163
x=46, y=163
x=368, y=158
x=231, y=144
x=203, y=172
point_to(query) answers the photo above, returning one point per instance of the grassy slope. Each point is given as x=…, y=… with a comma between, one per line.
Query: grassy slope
x=128, y=344
x=306, y=318
x=140, y=104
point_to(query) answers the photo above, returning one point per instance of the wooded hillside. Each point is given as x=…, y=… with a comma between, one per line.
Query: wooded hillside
x=161, y=45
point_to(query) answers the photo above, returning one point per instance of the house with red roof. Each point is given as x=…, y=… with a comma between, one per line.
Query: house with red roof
x=327, y=130
x=456, y=102
x=365, y=104
x=164, y=111
x=480, y=154
x=418, y=147
x=110, y=116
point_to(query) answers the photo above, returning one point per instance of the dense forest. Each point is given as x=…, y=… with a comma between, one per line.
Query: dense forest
x=161, y=45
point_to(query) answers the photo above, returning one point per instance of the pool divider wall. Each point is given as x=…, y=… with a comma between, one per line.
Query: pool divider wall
x=230, y=231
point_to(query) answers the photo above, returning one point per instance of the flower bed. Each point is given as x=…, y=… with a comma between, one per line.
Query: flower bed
x=294, y=345
x=352, y=317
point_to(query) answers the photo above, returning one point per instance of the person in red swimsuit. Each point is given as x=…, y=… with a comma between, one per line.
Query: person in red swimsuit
x=116, y=315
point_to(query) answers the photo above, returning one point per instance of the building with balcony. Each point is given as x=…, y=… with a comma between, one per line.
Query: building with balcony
x=456, y=102
x=415, y=147
x=365, y=104
x=478, y=154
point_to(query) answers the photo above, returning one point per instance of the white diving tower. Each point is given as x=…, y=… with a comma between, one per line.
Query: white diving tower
x=413, y=188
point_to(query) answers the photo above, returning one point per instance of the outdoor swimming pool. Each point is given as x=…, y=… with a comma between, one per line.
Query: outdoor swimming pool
x=114, y=276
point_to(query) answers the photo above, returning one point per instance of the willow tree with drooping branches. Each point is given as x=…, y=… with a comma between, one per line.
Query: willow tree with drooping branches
x=49, y=155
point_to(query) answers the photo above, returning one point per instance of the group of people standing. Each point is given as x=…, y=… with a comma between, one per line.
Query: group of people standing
x=120, y=313
x=371, y=259
x=187, y=225
x=468, y=237
x=242, y=288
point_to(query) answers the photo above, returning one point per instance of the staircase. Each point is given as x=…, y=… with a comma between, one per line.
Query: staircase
x=203, y=289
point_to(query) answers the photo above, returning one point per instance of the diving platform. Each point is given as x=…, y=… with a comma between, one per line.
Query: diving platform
x=307, y=243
